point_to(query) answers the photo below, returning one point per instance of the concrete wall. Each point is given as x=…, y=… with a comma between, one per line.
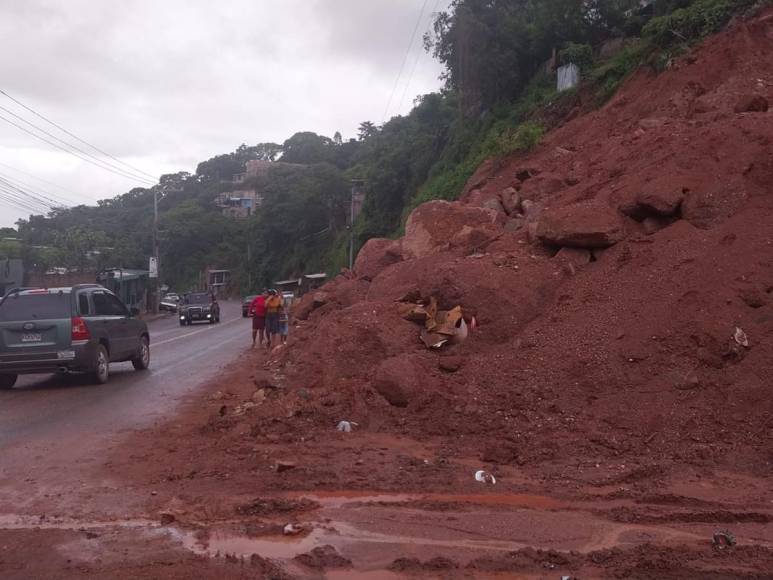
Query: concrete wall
x=568, y=77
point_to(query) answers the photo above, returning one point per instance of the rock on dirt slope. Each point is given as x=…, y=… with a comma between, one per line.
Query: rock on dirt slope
x=608, y=271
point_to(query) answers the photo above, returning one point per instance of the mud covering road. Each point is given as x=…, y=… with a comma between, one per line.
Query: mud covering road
x=199, y=489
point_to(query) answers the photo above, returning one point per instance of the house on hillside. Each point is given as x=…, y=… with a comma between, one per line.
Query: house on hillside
x=239, y=204
x=302, y=285
x=217, y=281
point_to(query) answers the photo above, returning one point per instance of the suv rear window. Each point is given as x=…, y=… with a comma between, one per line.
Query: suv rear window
x=18, y=307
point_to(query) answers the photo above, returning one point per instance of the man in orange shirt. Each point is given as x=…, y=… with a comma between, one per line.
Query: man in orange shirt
x=258, y=312
x=273, y=307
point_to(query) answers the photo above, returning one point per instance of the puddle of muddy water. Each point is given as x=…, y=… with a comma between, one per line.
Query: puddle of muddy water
x=225, y=541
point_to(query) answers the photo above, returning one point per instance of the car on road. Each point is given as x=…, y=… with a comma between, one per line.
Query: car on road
x=246, y=305
x=199, y=307
x=170, y=302
x=80, y=329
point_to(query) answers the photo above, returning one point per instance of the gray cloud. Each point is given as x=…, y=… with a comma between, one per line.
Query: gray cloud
x=166, y=84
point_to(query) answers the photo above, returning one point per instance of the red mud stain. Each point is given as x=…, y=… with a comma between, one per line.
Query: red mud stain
x=537, y=502
x=337, y=499
x=358, y=575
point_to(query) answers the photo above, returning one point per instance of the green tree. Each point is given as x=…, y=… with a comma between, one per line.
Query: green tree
x=308, y=148
x=366, y=130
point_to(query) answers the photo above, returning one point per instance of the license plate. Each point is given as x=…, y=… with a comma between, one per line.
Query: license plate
x=31, y=337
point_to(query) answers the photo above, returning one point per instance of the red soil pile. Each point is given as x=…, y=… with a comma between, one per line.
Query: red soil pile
x=623, y=344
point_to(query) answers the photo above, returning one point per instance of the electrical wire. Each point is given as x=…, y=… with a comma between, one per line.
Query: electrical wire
x=419, y=53
x=94, y=147
x=30, y=196
x=40, y=191
x=405, y=59
x=40, y=179
x=81, y=157
x=11, y=196
x=109, y=166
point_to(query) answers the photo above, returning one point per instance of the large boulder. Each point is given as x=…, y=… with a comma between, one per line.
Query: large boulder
x=752, y=104
x=665, y=203
x=704, y=209
x=439, y=225
x=582, y=225
x=398, y=380
x=375, y=255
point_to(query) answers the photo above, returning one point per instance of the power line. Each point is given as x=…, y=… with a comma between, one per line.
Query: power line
x=405, y=58
x=416, y=60
x=39, y=192
x=11, y=198
x=99, y=162
x=41, y=180
x=9, y=195
x=82, y=158
x=13, y=205
x=31, y=196
x=94, y=147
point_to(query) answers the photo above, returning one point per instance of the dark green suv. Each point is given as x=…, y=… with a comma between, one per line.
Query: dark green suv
x=78, y=329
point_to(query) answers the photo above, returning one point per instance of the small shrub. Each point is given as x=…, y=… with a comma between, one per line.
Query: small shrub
x=525, y=138
x=609, y=76
x=694, y=22
x=579, y=54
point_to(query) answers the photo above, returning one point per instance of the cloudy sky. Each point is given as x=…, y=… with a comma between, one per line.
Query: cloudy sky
x=164, y=84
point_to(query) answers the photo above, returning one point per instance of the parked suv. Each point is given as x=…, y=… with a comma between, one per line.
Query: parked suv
x=78, y=329
x=199, y=307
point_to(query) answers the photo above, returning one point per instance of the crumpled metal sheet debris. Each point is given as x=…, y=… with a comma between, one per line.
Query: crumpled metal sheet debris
x=441, y=327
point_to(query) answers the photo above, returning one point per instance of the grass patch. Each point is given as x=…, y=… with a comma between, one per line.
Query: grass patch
x=694, y=22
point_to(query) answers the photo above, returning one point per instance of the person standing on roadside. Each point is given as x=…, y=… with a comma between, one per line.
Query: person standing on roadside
x=273, y=308
x=284, y=322
x=258, y=312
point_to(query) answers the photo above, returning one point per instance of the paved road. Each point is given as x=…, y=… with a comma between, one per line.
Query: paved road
x=53, y=423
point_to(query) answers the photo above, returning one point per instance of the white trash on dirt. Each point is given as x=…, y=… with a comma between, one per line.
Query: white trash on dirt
x=485, y=477
x=292, y=530
x=346, y=426
x=740, y=337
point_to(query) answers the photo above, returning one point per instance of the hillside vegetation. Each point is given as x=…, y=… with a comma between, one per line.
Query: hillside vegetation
x=497, y=100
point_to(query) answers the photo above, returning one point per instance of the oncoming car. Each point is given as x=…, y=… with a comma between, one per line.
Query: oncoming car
x=199, y=307
x=81, y=328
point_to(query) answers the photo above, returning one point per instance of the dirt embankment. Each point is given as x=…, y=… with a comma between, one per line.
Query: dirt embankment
x=621, y=278
x=609, y=271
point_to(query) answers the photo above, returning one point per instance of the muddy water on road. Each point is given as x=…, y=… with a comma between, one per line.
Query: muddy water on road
x=373, y=530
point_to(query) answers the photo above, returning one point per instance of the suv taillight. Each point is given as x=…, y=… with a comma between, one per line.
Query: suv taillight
x=79, y=329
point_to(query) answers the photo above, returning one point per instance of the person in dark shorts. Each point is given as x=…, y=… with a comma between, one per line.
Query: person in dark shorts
x=273, y=310
x=284, y=323
x=258, y=312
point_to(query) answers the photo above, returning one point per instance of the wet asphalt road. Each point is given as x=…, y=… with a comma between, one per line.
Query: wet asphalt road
x=49, y=408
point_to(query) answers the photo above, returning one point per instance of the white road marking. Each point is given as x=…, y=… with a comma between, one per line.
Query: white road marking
x=207, y=329
x=171, y=367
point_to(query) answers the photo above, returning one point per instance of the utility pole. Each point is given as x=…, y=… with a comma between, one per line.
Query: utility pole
x=356, y=185
x=157, y=283
x=351, y=227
